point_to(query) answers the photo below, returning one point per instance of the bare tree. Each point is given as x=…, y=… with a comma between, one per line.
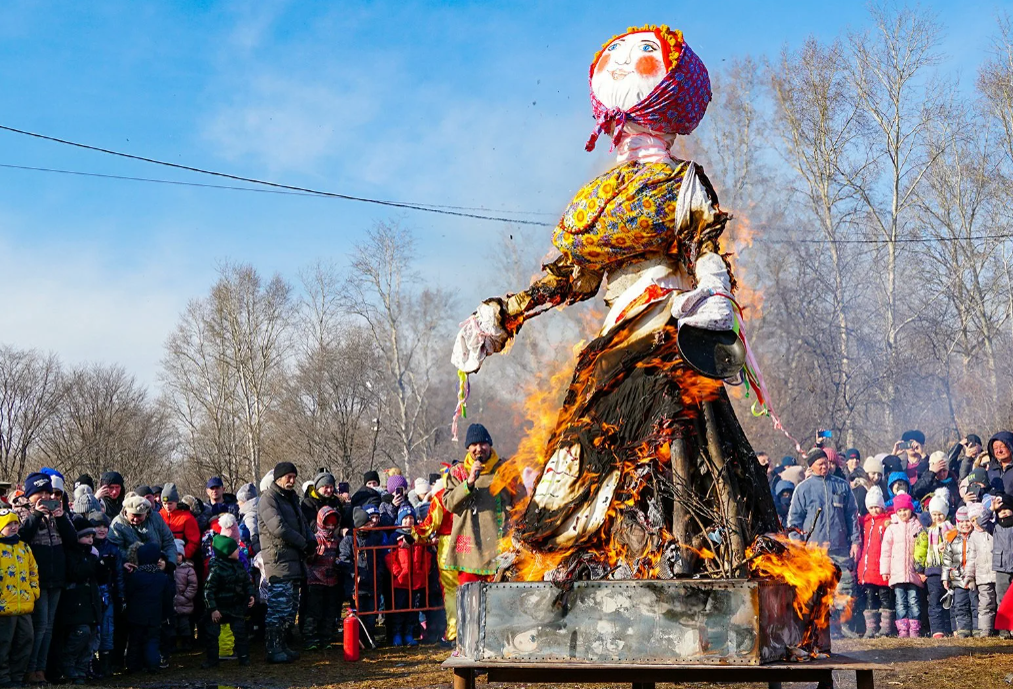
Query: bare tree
x=30, y=394
x=224, y=367
x=106, y=421
x=407, y=321
x=888, y=70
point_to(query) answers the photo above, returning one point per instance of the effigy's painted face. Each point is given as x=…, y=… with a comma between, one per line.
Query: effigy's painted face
x=628, y=70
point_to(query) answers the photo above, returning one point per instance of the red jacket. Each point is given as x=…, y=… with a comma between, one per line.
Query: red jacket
x=415, y=559
x=873, y=529
x=184, y=527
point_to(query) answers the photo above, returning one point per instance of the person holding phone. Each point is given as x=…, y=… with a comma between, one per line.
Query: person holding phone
x=45, y=530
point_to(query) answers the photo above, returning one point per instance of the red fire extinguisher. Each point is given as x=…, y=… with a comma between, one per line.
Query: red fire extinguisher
x=350, y=637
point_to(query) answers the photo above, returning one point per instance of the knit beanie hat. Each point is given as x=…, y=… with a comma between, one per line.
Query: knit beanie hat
x=85, y=480
x=395, y=482
x=962, y=514
x=246, y=492
x=323, y=479
x=975, y=510
x=477, y=434
x=422, y=487
x=974, y=439
x=148, y=553
x=903, y=502
x=852, y=453
x=788, y=461
x=83, y=526
x=85, y=501
x=873, y=465
x=36, y=483
x=6, y=517
x=135, y=504
x=170, y=493
x=99, y=518
x=283, y=469
x=359, y=517
x=405, y=511
x=891, y=464
x=370, y=476
x=814, y=455
x=111, y=478
x=874, y=498
x=223, y=545
x=940, y=504
x=938, y=460
x=180, y=546
x=144, y=490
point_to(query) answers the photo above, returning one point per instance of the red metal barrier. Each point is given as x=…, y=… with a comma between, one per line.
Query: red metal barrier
x=379, y=552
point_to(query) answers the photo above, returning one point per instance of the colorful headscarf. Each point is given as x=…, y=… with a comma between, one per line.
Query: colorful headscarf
x=677, y=103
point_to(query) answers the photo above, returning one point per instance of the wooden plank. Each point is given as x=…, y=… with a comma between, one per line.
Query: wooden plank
x=642, y=675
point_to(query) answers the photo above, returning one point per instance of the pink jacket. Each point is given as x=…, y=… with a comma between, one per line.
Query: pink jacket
x=897, y=558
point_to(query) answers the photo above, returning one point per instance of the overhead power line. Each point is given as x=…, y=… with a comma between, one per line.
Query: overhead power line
x=458, y=211
x=443, y=210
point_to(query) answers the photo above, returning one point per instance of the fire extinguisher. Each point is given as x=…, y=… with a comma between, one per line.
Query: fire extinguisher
x=350, y=636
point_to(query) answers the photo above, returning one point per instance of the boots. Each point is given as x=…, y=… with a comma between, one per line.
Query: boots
x=311, y=641
x=871, y=624
x=903, y=628
x=275, y=650
x=914, y=628
x=885, y=622
x=292, y=654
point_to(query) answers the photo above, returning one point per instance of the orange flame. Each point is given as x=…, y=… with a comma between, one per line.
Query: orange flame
x=809, y=571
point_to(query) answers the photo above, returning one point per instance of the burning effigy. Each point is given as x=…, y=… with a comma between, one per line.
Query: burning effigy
x=645, y=473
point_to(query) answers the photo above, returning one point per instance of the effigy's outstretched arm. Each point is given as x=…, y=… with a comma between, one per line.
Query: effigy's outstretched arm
x=497, y=320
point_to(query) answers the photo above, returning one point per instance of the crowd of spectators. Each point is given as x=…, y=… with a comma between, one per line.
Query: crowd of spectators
x=99, y=580
x=924, y=540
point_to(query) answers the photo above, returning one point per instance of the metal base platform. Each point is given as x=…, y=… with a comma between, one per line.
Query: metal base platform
x=646, y=676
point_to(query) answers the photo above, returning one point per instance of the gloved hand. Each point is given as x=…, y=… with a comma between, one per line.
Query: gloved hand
x=481, y=334
x=702, y=307
x=311, y=546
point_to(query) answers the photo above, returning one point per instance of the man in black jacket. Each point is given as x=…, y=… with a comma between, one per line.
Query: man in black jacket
x=48, y=532
x=285, y=541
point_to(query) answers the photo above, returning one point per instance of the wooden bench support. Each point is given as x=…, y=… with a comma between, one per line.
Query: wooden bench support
x=820, y=671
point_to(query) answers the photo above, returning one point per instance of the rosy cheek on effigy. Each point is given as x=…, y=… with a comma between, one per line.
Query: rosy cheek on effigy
x=648, y=66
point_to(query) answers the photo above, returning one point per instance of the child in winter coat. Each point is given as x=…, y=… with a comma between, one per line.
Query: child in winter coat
x=323, y=583
x=897, y=565
x=186, y=592
x=149, y=594
x=879, y=602
x=17, y=600
x=979, y=570
x=929, y=550
x=363, y=571
x=81, y=603
x=228, y=594
x=958, y=554
x=408, y=565
x=110, y=592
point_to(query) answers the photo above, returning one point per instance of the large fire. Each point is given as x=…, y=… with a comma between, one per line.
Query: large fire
x=808, y=570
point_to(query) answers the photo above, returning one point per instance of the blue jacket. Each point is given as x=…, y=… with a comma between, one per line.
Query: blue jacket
x=837, y=527
x=149, y=597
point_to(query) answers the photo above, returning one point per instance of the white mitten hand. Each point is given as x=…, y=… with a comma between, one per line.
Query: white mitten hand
x=702, y=307
x=480, y=335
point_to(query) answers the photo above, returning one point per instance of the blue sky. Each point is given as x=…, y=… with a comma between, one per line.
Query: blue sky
x=477, y=104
